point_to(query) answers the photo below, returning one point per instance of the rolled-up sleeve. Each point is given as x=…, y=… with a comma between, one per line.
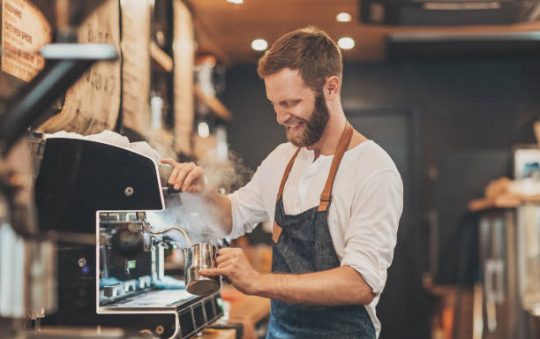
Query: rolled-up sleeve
x=247, y=203
x=371, y=235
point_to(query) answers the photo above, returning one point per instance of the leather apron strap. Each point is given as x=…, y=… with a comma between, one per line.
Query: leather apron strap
x=344, y=141
x=286, y=173
x=276, y=230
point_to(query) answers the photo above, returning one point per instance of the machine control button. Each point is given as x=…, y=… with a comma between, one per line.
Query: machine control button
x=82, y=262
x=160, y=330
x=128, y=191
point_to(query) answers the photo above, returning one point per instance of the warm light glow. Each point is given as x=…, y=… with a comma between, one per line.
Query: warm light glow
x=236, y=2
x=343, y=17
x=259, y=44
x=203, y=129
x=346, y=43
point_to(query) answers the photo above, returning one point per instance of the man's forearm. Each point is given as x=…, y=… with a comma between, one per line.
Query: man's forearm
x=339, y=286
x=223, y=209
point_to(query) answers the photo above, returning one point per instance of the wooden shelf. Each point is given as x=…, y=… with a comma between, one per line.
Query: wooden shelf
x=213, y=103
x=161, y=58
x=503, y=201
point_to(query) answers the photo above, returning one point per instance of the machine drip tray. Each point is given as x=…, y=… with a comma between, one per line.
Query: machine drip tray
x=179, y=313
x=156, y=299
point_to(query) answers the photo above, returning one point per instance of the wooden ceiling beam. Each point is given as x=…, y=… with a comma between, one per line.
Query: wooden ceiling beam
x=206, y=42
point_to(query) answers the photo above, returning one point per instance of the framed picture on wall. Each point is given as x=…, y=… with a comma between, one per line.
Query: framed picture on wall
x=527, y=162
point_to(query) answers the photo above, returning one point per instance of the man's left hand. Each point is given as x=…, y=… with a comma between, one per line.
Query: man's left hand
x=233, y=263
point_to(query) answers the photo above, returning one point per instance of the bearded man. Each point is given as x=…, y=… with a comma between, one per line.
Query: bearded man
x=334, y=197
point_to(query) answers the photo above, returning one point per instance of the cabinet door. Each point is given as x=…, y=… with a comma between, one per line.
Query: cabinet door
x=494, y=269
x=393, y=130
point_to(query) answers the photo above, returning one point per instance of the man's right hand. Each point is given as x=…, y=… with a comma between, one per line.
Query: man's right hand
x=186, y=176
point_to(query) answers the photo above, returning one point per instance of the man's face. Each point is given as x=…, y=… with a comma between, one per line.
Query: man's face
x=298, y=108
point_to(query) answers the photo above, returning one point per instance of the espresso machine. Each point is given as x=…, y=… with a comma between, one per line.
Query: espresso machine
x=28, y=255
x=96, y=198
x=67, y=268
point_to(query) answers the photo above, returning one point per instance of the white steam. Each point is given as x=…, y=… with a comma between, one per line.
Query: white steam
x=193, y=212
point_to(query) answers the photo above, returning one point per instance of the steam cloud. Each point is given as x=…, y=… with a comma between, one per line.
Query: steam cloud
x=192, y=211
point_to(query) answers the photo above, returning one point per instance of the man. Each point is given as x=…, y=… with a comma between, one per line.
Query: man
x=334, y=196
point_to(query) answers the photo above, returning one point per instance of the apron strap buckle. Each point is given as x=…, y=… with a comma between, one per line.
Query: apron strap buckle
x=326, y=198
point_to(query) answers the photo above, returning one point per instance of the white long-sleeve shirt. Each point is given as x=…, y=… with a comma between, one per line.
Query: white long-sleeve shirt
x=367, y=202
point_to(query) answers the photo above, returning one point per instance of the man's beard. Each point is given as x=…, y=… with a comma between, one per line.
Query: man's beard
x=312, y=128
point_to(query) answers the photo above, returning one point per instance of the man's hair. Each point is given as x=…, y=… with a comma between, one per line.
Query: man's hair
x=309, y=50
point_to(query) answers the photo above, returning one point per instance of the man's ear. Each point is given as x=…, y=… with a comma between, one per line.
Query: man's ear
x=332, y=87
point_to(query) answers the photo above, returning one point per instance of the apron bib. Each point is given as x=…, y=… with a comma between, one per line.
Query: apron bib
x=302, y=244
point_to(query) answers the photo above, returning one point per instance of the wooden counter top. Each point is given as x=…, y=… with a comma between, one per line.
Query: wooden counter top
x=246, y=309
x=211, y=333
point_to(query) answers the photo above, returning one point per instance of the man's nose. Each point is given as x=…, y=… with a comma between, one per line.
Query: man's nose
x=282, y=115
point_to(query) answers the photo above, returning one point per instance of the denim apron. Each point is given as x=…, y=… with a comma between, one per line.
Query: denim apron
x=302, y=244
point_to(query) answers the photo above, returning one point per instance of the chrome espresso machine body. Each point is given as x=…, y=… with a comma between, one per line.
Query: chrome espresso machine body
x=96, y=196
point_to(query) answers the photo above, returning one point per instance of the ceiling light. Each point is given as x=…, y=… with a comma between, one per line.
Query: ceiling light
x=259, y=44
x=345, y=42
x=203, y=129
x=236, y=2
x=343, y=17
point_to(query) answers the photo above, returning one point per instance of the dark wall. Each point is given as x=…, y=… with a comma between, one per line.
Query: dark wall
x=461, y=105
x=454, y=108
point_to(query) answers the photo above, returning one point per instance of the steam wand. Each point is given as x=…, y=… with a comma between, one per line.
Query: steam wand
x=146, y=227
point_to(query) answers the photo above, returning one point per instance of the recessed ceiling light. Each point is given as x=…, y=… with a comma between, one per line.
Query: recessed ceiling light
x=259, y=44
x=345, y=42
x=343, y=17
x=236, y=2
x=203, y=129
